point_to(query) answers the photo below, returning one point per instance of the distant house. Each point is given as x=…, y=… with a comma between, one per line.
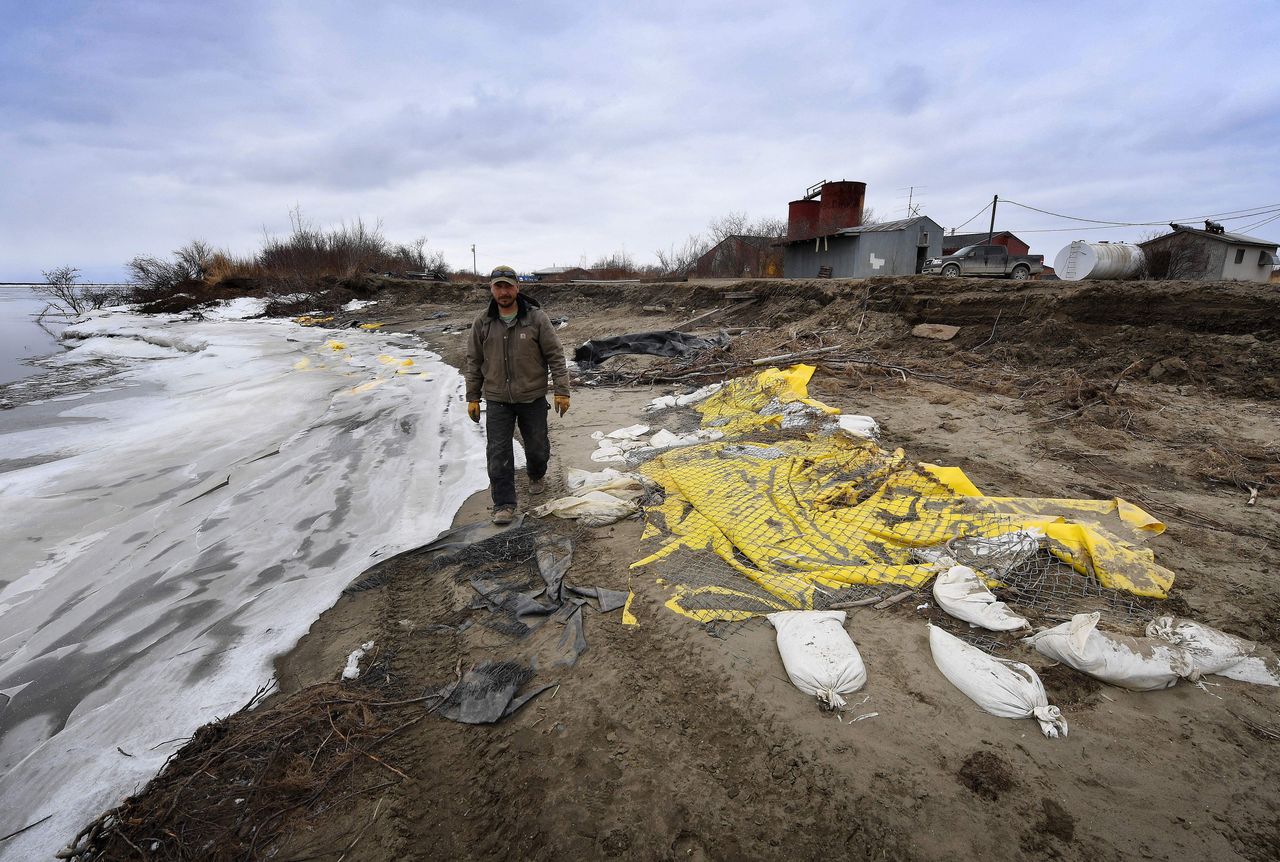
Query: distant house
x=889, y=248
x=1211, y=254
x=953, y=242
x=562, y=273
x=740, y=256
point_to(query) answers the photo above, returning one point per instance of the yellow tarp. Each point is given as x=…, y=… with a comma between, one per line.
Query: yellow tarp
x=800, y=516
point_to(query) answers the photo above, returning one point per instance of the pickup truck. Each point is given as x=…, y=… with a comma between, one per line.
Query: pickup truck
x=985, y=260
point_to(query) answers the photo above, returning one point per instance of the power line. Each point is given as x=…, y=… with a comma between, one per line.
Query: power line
x=1229, y=215
x=1258, y=224
x=971, y=218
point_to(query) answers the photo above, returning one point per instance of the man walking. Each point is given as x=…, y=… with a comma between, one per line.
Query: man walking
x=513, y=345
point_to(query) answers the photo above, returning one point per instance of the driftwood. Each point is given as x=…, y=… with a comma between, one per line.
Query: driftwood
x=715, y=311
x=893, y=600
x=800, y=354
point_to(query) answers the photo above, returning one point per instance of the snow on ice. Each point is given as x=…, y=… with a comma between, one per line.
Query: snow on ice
x=170, y=533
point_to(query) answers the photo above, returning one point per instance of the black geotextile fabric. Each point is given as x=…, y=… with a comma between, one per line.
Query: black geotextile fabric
x=487, y=693
x=666, y=343
x=518, y=576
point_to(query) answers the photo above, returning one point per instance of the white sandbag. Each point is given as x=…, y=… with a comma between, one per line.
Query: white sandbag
x=858, y=426
x=1210, y=650
x=624, y=486
x=819, y=655
x=1138, y=664
x=585, y=480
x=591, y=508
x=664, y=439
x=662, y=402
x=1254, y=669
x=697, y=395
x=960, y=592
x=631, y=432
x=666, y=402
x=608, y=455
x=1008, y=689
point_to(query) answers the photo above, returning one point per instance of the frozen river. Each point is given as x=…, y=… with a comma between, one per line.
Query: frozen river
x=21, y=337
x=177, y=522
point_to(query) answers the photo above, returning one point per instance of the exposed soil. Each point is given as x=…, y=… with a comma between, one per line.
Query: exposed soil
x=666, y=742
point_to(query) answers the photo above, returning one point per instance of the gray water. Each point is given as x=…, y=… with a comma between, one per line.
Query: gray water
x=22, y=338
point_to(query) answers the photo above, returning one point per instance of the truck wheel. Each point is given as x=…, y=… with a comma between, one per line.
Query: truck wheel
x=1020, y=273
x=951, y=271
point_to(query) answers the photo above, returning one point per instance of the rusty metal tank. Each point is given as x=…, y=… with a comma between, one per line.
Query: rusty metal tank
x=802, y=218
x=841, y=205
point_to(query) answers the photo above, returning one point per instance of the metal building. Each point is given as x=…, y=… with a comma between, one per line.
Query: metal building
x=889, y=248
x=1211, y=254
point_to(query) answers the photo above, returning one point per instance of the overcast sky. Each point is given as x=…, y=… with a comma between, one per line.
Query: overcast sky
x=546, y=133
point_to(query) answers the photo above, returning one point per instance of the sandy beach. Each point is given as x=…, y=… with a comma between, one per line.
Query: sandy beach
x=668, y=742
x=671, y=739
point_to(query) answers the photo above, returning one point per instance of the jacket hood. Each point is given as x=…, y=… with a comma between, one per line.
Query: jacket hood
x=523, y=304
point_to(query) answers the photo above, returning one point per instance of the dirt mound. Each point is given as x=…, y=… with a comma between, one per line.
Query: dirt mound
x=246, y=782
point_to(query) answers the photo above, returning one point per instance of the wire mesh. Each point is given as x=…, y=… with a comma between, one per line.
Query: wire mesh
x=793, y=522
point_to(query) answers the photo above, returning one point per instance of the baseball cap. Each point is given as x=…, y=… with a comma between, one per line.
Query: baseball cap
x=503, y=273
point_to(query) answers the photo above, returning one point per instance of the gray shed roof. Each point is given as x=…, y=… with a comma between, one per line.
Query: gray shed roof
x=887, y=226
x=1232, y=238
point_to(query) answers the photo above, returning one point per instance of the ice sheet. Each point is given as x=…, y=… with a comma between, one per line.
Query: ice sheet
x=171, y=533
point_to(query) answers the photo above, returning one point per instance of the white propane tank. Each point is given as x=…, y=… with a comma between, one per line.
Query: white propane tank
x=1084, y=259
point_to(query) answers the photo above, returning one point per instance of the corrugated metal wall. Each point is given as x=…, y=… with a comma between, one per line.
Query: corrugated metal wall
x=869, y=254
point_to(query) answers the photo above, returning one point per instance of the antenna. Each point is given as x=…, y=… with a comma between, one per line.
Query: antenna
x=913, y=209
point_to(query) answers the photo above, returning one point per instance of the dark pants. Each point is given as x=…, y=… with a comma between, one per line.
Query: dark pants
x=500, y=424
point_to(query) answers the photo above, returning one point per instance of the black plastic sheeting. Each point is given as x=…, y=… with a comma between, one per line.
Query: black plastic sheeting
x=666, y=343
x=516, y=601
x=487, y=693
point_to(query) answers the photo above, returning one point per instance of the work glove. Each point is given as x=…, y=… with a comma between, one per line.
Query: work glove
x=562, y=404
x=473, y=410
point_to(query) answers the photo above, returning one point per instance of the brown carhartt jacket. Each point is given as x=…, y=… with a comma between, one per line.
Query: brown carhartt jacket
x=510, y=363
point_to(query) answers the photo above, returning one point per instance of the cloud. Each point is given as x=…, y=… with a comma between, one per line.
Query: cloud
x=545, y=132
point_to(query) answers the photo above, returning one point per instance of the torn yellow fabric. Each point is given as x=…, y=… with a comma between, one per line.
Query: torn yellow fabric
x=800, y=516
x=736, y=408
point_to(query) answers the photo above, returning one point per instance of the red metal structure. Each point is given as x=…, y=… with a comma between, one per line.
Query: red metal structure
x=802, y=218
x=841, y=205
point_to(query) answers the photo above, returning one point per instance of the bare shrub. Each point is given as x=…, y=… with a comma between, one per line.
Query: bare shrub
x=619, y=264
x=303, y=263
x=155, y=278
x=61, y=290
x=679, y=261
x=68, y=297
x=1179, y=258
x=737, y=257
x=309, y=252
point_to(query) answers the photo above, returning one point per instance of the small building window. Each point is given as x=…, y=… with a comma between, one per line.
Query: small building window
x=1264, y=258
x=1239, y=255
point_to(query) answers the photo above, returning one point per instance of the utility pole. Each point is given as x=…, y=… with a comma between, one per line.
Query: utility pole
x=995, y=199
x=474, y=269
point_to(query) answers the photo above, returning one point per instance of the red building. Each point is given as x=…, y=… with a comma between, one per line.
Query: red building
x=955, y=241
x=741, y=257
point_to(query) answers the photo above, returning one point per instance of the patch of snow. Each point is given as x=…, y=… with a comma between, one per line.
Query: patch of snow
x=240, y=308
x=352, y=670
x=357, y=304
x=101, y=348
